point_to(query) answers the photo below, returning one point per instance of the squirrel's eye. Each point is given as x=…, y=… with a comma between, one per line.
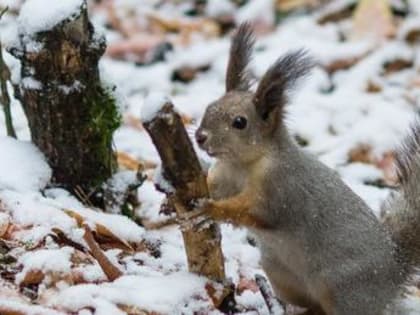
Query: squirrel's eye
x=239, y=122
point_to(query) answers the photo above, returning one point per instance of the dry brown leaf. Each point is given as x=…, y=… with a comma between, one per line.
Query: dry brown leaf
x=103, y=234
x=373, y=19
x=247, y=284
x=61, y=238
x=8, y=311
x=333, y=13
x=32, y=277
x=343, y=63
x=133, y=122
x=185, y=27
x=126, y=161
x=412, y=36
x=136, y=47
x=387, y=164
x=289, y=5
x=373, y=87
x=396, y=65
x=187, y=74
x=134, y=310
x=4, y=223
x=362, y=153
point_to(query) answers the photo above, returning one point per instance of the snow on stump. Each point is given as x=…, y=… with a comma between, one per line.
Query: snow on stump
x=183, y=177
x=71, y=114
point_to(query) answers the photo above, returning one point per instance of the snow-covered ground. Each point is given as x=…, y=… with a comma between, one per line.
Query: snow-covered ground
x=351, y=116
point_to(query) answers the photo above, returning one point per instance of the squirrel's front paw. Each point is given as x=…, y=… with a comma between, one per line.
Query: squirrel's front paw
x=197, y=218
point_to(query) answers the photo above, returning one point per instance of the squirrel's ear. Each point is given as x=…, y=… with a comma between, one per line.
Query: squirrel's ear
x=237, y=76
x=279, y=78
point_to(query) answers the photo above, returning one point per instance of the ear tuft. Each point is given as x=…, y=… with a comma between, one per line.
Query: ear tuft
x=279, y=79
x=237, y=76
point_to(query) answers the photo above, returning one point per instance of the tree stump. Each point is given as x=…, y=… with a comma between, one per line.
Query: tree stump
x=71, y=114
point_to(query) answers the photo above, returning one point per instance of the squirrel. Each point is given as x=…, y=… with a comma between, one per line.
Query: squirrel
x=322, y=247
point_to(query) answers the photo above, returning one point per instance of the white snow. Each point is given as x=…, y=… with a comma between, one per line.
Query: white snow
x=161, y=182
x=215, y=8
x=256, y=10
x=119, y=225
x=117, y=186
x=152, y=105
x=150, y=200
x=22, y=166
x=165, y=294
x=26, y=308
x=4, y=223
x=46, y=260
x=31, y=83
x=42, y=15
x=31, y=209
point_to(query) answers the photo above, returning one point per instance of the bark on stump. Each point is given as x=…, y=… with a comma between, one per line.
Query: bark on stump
x=181, y=168
x=71, y=115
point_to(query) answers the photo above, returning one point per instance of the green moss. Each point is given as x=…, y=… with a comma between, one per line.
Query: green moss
x=104, y=119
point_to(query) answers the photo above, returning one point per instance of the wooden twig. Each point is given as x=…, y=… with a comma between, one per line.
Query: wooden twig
x=4, y=97
x=181, y=168
x=111, y=271
x=158, y=225
x=182, y=171
x=273, y=304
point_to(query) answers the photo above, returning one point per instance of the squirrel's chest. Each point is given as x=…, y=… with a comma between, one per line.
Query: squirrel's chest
x=225, y=180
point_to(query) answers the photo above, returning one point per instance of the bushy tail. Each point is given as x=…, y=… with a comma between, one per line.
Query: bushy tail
x=402, y=216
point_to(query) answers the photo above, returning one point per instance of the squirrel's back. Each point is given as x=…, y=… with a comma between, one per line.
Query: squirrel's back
x=324, y=239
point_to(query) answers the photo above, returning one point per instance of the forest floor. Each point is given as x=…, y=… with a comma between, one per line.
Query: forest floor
x=352, y=112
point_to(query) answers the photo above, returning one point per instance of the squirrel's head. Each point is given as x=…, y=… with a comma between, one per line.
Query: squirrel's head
x=241, y=124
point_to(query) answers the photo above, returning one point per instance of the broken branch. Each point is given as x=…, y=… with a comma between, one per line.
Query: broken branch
x=273, y=304
x=111, y=271
x=181, y=168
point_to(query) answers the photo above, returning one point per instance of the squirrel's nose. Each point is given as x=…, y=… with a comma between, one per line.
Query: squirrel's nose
x=201, y=136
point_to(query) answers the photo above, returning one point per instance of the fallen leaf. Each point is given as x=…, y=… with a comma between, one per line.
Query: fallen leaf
x=103, y=234
x=373, y=19
x=362, y=153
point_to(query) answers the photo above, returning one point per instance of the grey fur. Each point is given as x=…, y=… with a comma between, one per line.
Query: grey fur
x=402, y=212
x=322, y=247
x=279, y=78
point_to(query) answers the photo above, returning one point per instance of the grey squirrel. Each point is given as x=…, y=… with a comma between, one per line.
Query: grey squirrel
x=322, y=247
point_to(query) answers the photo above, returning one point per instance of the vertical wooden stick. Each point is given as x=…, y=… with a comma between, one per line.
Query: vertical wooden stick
x=181, y=168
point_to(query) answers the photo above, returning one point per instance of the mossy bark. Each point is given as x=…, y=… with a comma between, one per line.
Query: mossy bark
x=71, y=115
